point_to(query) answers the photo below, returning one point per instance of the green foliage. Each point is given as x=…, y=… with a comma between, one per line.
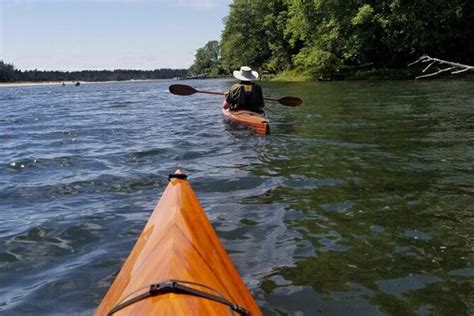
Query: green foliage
x=8, y=73
x=254, y=35
x=207, y=60
x=364, y=15
x=323, y=37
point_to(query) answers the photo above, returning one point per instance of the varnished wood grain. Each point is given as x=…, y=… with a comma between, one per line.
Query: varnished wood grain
x=253, y=120
x=178, y=242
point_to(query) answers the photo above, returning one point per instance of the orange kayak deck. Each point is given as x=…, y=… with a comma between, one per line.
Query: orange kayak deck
x=178, y=243
x=255, y=121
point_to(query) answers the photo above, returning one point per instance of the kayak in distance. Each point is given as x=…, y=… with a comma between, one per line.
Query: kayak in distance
x=178, y=265
x=253, y=120
x=256, y=121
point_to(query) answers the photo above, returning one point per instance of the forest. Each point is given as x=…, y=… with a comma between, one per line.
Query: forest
x=8, y=73
x=313, y=39
x=330, y=38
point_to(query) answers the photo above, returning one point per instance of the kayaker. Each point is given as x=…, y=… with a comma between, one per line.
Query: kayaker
x=245, y=95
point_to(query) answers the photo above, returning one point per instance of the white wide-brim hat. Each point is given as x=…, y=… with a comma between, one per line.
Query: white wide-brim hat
x=245, y=74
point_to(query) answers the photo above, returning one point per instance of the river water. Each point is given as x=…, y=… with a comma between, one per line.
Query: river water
x=359, y=202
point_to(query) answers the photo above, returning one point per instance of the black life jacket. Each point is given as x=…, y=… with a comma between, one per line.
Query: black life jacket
x=247, y=97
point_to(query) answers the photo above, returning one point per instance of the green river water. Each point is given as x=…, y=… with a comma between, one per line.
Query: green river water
x=385, y=197
x=359, y=202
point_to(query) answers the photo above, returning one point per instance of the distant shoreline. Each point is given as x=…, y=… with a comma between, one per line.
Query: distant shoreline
x=66, y=83
x=32, y=83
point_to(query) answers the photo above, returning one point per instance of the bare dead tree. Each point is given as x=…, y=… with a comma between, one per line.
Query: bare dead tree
x=455, y=68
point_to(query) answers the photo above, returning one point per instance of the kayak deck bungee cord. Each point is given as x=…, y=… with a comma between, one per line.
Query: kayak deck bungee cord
x=178, y=265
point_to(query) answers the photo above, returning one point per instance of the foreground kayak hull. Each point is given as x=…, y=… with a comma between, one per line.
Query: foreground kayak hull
x=255, y=121
x=178, y=242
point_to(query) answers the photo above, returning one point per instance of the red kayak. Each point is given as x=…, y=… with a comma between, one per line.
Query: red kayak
x=255, y=121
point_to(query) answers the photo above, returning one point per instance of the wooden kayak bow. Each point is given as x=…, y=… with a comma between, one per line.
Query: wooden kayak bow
x=178, y=265
x=181, y=89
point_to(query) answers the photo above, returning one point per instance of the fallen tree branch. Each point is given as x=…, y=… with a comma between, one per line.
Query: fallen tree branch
x=455, y=67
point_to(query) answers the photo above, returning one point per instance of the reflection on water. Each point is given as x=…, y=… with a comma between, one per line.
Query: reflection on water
x=358, y=203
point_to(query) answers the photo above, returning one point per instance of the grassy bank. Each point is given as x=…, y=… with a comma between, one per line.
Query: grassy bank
x=292, y=75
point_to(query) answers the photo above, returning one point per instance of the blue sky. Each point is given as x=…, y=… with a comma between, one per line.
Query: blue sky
x=107, y=34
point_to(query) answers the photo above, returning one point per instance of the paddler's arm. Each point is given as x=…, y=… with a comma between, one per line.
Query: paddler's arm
x=231, y=97
x=226, y=102
x=260, y=99
x=226, y=105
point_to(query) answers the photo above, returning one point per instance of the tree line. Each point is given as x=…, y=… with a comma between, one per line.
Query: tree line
x=8, y=73
x=326, y=37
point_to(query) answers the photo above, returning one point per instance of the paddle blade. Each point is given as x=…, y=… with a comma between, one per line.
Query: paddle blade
x=290, y=101
x=181, y=89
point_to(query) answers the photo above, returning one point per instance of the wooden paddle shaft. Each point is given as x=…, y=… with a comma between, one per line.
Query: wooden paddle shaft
x=181, y=89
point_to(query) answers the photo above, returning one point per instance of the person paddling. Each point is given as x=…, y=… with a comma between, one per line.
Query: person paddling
x=245, y=95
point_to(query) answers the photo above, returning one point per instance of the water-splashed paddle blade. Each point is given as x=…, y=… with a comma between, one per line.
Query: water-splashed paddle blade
x=290, y=101
x=181, y=89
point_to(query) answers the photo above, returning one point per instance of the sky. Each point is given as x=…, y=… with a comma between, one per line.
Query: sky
x=107, y=34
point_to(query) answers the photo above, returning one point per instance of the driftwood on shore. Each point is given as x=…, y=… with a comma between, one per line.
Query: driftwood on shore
x=455, y=68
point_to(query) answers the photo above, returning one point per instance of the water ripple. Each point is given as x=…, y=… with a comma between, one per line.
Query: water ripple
x=358, y=203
